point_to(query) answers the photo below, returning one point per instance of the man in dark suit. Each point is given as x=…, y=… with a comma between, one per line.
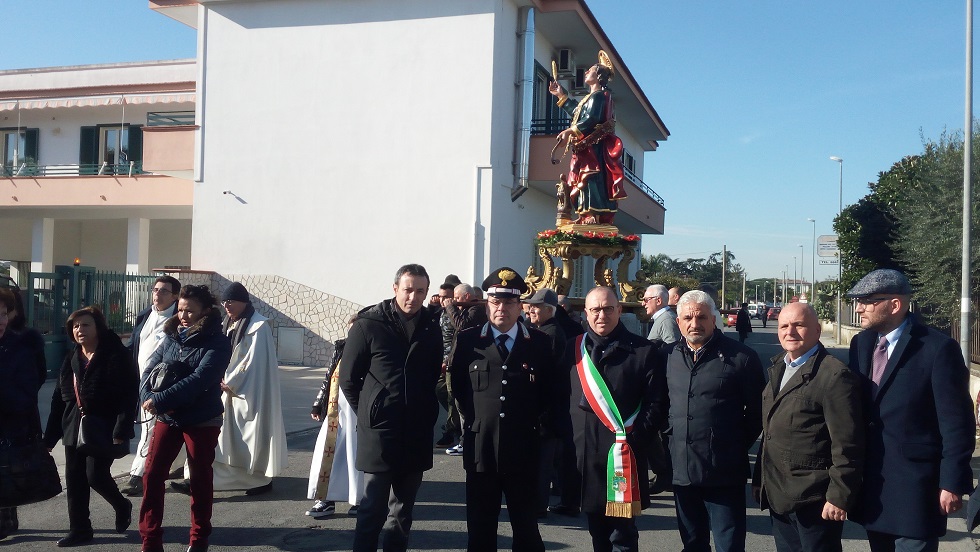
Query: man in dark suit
x=392, y=359
x=809, y=467
x=611, y=438
x=920, y=433
x=503, y=382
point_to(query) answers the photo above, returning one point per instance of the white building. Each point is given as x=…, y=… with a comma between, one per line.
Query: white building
x=340, y=139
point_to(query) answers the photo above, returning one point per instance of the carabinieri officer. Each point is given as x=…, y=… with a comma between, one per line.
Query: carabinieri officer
x=503, y=382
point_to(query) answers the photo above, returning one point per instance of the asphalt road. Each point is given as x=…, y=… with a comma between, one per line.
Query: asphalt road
x=275, y=521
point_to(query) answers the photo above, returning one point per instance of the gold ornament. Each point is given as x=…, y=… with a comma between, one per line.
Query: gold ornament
x=606, y=62
x=505, y=275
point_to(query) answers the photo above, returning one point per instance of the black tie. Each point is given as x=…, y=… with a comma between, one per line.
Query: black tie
x=502, y=345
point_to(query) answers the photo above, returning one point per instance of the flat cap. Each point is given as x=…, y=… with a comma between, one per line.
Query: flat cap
x=883, y=280
x=504, y=282
x=544, y=296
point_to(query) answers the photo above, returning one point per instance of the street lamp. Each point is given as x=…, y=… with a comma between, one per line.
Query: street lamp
x=796, y=276
x=802, y=272
x=813, y=261
x=840, y=259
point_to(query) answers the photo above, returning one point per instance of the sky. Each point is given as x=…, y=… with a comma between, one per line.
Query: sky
x=757, y=95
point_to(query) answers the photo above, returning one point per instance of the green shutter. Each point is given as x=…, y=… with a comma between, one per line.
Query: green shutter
x=30, y=146
x=135, y=146
x=88, y=151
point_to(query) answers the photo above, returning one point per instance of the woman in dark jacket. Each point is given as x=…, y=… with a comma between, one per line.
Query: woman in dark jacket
x=100, y=373
x=188, y=413
x=20, y=422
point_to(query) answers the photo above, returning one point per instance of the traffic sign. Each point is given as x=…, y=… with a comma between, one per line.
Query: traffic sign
x=822, y=262
x=827, y=246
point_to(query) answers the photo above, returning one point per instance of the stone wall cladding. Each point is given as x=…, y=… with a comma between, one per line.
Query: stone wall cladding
x=289, y=304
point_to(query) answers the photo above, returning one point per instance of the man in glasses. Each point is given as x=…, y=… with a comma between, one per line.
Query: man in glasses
x=146, y=337
x=920, y=433
x=663, y=320
x=503, y=379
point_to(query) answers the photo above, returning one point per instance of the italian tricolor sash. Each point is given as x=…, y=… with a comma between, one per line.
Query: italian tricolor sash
x=622, y=484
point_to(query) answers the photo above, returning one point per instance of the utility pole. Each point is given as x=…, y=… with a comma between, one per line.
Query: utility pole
x=724, y=269
x=743, y=288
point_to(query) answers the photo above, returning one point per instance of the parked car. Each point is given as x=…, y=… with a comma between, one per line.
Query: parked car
x=773, y=313
x=729, y=316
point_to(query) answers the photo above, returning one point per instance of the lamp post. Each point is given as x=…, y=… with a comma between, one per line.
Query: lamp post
x=840, y=258
x=802, y=271
x=796, y=277
x=813, y=262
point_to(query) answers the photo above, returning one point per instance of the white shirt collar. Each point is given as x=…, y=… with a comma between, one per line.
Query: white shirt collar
x=800, y=361
x=660, y=313
x=511, y=333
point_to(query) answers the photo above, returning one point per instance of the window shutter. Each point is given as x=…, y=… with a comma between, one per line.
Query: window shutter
x=30, y=146
x=135, y=145
x=88, y=152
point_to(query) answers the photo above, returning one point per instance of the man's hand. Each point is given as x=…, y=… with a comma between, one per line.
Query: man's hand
x=447, y=302
x=833, y=513
x=148, y=406
x=315, y=414
x=949, y=502
x=556, y=89
x=225, y=388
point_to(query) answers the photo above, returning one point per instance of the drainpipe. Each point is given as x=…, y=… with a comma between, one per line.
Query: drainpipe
x=525, y=101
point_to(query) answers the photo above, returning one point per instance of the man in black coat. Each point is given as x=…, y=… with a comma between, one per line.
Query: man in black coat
x=715, y=388
x=920, y=433
x=503, y=382
x=610, y=359
x=388, y=374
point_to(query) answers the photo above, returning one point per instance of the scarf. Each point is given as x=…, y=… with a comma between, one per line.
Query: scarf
x=622, y=482
x=243, y=323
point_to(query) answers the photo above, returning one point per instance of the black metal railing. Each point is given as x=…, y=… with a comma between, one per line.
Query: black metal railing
x=169, y=118
x=643, y=187
x=89, y=169
x=549, y=126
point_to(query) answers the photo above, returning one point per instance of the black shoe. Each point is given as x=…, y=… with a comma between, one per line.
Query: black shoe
x=15, y=524
x=352, y=511
x=133, y=487
x=447, y=440
x=176, y=474
x=197, y=548
x=183, y=486
x=259, y=490
x=124, y=518
x=562, y=510
x=74, y=538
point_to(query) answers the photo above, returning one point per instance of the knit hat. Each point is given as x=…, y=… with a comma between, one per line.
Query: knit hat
x=236, y=292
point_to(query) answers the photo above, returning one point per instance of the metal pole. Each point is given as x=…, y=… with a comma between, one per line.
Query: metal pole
x=965, y=327
x=840, y=258
x=813, y=261
x=724, y=267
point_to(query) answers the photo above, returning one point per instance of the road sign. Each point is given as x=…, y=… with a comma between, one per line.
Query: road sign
x=827, y=246
x=823, y=262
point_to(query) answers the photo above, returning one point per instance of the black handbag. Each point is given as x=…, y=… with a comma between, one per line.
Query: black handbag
x=95, y=435
x=95, y=438
x=165, y=374
x=28, y=474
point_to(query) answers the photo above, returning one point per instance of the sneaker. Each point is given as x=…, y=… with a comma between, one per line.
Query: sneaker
x=133, y=487
x=321, y=509
x=447, y=440
x=455, y=451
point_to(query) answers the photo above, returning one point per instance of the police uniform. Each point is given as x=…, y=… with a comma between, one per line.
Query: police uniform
x=501, y=399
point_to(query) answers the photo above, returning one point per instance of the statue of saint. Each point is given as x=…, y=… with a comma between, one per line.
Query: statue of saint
x=595, y=176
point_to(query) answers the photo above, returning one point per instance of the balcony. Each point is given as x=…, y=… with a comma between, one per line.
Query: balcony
x=642, y=212
x=168, y=143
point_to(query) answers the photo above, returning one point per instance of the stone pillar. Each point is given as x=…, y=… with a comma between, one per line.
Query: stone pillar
x=138, y=246
x=42, y=245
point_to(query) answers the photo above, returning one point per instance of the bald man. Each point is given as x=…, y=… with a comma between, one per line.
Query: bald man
x=809, y=468
x=612, y=362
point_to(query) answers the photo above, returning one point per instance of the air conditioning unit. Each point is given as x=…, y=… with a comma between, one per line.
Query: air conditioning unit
x=578, y=83
x=566, y=62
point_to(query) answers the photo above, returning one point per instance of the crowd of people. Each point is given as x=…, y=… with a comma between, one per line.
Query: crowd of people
x=539, y=403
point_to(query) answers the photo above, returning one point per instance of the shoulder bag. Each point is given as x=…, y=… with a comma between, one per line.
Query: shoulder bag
x=95, y=434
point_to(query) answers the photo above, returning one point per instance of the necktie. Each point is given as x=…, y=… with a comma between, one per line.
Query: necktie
x=879, y=360
x=502, y=345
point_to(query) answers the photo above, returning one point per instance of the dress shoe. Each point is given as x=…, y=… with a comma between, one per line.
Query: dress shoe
x=124, y=517
x=447, y=440
x=133, y=487
x=259, y=490
x=563, y=510
x=183, y=486
x=176, y=474
x=74, y=538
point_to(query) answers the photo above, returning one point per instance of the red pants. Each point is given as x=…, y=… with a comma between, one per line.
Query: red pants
x=164, y=446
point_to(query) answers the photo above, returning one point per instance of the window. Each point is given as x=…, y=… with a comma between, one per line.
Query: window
x=19, y=148
x=546, y=116
x=113, y=146
x=628, y=162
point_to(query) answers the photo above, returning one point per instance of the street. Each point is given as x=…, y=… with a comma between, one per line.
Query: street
x=275, y=521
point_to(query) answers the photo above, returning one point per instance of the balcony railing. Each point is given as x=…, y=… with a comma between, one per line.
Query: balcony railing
x=96, y=169
x=169, y=118
x=643, y=187
x=549, y=126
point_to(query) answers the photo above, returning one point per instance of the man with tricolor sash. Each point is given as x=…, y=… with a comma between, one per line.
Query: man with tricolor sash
x=618, y=399
x=715, y=385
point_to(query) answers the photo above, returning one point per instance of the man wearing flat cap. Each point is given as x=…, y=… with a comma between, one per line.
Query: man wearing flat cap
x=920, y=431
x=502, y=377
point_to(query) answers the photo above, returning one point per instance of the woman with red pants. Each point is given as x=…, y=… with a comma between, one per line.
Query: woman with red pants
x=188, y=413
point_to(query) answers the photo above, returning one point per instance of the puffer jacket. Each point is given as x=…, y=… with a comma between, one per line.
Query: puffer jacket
x=107, y=387
x=196, y=398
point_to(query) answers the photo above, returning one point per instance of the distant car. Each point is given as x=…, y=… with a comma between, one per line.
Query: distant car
x=729, y=316
x=773, y=313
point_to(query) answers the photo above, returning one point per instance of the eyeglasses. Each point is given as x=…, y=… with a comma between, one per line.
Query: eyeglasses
x=594, y=311
x=646, y=300
x=867, y=302
x=497, y=303
x=161, y=291
x=227, y=302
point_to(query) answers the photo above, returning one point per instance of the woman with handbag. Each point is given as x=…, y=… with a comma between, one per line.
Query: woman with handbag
x=92, y=412
x=20, y=423
x=188, y=412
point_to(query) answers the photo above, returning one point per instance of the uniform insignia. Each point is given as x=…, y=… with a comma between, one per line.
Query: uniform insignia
x=505, y=275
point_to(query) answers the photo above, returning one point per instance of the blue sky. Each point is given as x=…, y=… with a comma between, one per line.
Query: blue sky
x=757, y=96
